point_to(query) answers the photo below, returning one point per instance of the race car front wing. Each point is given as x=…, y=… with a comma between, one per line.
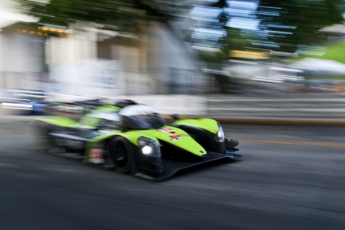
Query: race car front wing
x=171, y=167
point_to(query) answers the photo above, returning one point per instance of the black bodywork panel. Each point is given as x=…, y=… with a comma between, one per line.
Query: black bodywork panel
x=171, y=167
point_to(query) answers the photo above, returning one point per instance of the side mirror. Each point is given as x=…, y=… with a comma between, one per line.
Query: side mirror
x=175, y=116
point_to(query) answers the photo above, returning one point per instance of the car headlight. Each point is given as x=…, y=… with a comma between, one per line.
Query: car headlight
x=220, y=134
x=149, y=147
x=147, y=150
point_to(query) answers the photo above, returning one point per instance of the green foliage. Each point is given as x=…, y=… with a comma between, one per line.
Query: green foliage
x=306, y=16
x=284, y=26
x=115, y=13
x=212, y=57
x=334, y=51
x=286, y=23
x=234, y=41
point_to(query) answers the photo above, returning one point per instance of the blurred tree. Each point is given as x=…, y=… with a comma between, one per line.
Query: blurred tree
x=290, y=23
x=219, y=4
x=109, y=14
x=284, y=23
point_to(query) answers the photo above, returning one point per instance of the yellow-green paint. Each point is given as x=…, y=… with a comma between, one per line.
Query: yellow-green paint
x=203, y=123
x=167, y=134
x=106, y=108
x=181, y=140
x=91, y=119
x=60, y=121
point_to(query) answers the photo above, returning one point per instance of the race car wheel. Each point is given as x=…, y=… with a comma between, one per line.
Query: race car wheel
x=119, y=154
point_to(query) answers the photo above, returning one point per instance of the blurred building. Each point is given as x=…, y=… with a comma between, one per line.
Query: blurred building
x=152, y=61
x=98, y=61
x=21, y=54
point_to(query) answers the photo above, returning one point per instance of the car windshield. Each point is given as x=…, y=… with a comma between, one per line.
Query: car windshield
x=138, y=117
x=147, y=121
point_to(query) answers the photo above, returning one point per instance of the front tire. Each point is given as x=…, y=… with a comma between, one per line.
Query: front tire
x=120, y=155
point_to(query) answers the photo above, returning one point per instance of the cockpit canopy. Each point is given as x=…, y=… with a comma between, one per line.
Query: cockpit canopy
x=132, y=117
x=139, y=117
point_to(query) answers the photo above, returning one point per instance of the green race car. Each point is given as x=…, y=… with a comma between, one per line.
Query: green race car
x=134, y=138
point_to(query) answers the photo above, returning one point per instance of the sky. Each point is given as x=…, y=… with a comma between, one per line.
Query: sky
x=241, y=14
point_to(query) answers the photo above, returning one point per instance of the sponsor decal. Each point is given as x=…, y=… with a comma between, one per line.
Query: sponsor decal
x=96, y=156
x=177, y=136
x=166, y=130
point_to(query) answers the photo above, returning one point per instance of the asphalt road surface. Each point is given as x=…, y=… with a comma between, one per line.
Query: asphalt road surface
x=291, y=177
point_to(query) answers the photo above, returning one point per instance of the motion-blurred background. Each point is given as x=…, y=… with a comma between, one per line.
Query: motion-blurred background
x=244, y=61
x=140, y=47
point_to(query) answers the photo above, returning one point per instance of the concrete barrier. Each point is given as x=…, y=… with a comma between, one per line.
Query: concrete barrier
x=313, y=109
x=316, y=109
x=186, y=105
x=303, y=109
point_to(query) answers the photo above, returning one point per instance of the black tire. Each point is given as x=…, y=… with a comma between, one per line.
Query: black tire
x=119, y=154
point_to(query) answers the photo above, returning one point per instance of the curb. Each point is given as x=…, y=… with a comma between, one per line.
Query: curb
x=280, y=122
x=325, y=122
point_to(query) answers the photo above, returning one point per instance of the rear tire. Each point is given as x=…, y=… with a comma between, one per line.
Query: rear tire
x=119, y=154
